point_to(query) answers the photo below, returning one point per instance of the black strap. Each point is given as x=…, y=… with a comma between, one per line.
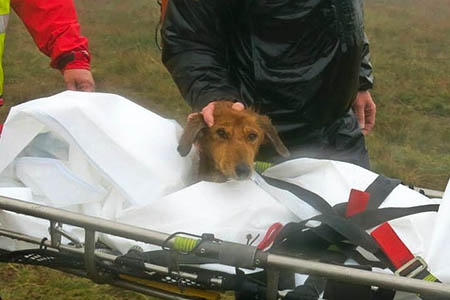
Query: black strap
x=338, y=229
x=370, y=218
x=333, y=230
x=380, y=189
x=305, y=195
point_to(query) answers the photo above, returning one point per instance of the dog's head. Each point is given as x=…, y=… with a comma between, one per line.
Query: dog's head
x=231, y=144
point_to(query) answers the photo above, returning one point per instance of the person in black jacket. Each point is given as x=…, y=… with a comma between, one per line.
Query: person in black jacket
x=304, y=63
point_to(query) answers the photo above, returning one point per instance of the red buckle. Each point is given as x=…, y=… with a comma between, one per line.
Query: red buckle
x=357, y=202
x=392, y=246
x=270, y=236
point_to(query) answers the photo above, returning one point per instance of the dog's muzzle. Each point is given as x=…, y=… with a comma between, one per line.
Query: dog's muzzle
x=242, y=171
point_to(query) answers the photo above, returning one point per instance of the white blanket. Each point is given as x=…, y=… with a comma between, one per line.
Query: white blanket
x=102, y=155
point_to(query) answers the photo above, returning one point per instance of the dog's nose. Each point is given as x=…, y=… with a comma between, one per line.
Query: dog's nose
x=242, y=171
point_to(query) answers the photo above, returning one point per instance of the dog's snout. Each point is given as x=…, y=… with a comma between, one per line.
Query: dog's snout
x=242, y=171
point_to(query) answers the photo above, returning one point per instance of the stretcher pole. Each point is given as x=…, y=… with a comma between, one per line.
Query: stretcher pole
x=227, y=252
x=87, y=222
x=356, y=276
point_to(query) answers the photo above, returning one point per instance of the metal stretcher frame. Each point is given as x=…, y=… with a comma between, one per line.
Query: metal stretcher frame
x=227, y=253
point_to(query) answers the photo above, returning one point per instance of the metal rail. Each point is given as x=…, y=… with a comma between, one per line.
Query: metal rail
x=100, y=255
x=428, y=192
x=356, y=276
x=260, y=259
x=87, y=222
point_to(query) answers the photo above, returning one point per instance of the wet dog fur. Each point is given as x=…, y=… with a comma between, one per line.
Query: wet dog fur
x=227, y=149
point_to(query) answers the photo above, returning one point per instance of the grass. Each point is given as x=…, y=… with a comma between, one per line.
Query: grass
x=411, y=140
x=409, y=44
x=35, y=283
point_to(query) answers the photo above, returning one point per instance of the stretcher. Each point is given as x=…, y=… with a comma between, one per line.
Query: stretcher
x=104, y=266
x=80, y=194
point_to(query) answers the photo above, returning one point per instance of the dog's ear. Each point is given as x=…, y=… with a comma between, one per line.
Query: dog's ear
x=271, y=133
x=193, y=127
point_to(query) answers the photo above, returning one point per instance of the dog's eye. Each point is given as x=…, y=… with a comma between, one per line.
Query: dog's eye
x=221, y=132
x=252, y=137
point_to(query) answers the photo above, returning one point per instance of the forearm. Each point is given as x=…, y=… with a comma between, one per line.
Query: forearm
x=365, y=73
x=194, y=51
x=54, y=27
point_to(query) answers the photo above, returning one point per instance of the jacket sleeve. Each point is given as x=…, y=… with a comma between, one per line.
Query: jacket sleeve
x=55, y=30
x=365, y=72
x=194, y=51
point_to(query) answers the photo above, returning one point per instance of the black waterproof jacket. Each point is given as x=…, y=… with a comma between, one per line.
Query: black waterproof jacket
x=299, y=61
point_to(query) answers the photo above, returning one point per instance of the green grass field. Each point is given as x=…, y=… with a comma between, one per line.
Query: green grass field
x=411, y=140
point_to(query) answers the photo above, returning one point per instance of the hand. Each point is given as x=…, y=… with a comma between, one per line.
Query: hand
x=208, y=112
x=79, y=80
x=365, y=110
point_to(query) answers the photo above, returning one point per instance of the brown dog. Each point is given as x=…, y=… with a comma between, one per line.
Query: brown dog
x=228, y=148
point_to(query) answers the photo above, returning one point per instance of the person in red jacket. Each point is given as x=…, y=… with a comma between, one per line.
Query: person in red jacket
x=54, y=26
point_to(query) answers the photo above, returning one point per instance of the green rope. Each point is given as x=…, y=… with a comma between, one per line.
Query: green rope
x=261, y=166
x=184, y=244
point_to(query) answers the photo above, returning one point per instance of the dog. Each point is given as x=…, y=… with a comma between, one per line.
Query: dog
x=227, y=149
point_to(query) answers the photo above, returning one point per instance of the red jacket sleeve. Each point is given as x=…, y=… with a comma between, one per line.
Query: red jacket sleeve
x=54, y=26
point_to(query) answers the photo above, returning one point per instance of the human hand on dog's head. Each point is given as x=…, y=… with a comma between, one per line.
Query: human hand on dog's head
x=208, y=112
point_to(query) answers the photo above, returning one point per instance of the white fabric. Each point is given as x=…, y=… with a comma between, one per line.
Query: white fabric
x=102, y=155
